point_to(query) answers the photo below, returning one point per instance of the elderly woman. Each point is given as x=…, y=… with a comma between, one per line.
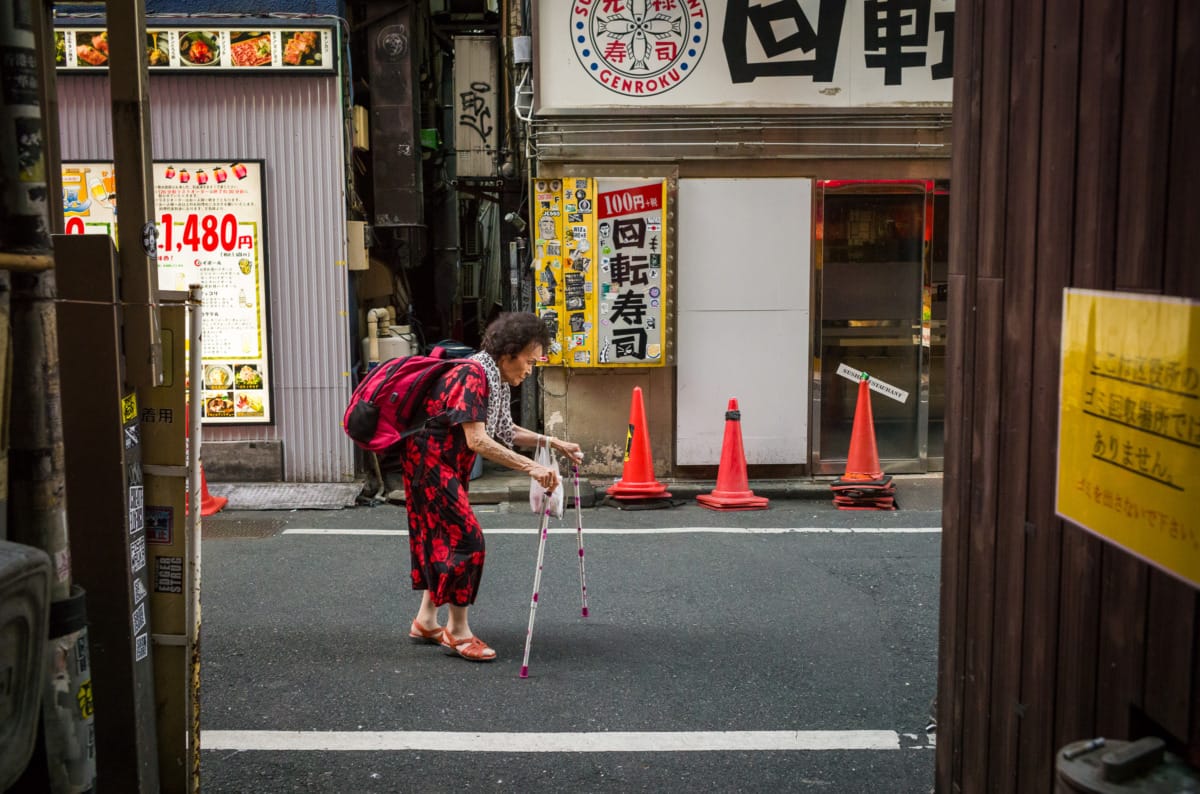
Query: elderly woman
x=444, y=537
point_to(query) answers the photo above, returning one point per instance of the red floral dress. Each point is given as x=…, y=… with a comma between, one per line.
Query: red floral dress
x=444, y=537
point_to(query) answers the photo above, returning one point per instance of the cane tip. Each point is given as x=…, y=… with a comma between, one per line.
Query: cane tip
x=585, y=612
x=524, y=671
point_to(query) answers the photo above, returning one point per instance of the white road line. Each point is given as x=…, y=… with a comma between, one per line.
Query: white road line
x=651, y=531
x=606, y=742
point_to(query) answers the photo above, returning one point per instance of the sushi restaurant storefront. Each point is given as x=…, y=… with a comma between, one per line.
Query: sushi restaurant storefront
x=249, y=173
x=805, y=152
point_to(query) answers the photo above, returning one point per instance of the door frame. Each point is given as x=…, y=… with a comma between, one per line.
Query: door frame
x=826, y=464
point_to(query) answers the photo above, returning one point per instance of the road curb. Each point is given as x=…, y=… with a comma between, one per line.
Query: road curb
x=592, y=493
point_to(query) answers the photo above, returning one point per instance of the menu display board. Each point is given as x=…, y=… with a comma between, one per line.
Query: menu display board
x=204, y=50
x=210, y=231
x=600, y=269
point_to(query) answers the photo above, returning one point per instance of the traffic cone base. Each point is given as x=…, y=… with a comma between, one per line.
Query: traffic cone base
x=637, y=477
x=882, y=482
x=733, y=489
x=636, y=490
x=209, y=504
x=714, y=501
x=865, y=507
x=843, y=487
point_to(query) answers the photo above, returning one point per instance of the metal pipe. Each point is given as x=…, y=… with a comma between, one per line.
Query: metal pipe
x=24, y=203
x=191, y=586
x=745, y=145
x=591, y=129
x=26, y=263
x=195, y=428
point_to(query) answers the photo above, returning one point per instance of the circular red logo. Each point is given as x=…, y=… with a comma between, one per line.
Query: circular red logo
x=639, y=48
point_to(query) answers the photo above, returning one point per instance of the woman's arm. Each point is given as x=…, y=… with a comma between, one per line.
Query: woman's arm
x=483, y=444
x=528, y=438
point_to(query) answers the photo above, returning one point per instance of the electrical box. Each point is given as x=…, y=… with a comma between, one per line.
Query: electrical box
x=361, y=125
x=356, y=245
x=522, y=49
x=24, y=623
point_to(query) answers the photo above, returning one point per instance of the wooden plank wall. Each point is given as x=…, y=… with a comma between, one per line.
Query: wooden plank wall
x=1075, y=129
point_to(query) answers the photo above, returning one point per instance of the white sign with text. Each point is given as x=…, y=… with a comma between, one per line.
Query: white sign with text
x=743, y=53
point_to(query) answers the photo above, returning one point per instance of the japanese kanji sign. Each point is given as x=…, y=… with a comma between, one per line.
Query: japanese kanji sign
x=744, y=53
x=1129, y=424
x=600, y=269
x=210, y=230
x=632, y=274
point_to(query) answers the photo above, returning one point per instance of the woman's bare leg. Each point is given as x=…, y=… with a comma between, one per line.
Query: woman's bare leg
x=457, y=623
x=427, y=614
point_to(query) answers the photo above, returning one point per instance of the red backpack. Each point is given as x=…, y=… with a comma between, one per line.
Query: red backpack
x=386, y=404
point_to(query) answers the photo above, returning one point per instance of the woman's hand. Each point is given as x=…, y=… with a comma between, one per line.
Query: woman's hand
x=545, y=476
x=568, y=448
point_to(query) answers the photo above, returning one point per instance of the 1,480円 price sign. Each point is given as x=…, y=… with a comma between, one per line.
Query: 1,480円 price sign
x=210, y=223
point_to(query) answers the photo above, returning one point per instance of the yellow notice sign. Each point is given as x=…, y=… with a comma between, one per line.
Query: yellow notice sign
x=1129, y=424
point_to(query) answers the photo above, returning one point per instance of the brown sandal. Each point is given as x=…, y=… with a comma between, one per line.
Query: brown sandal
x=471, y=648
x=419, y=633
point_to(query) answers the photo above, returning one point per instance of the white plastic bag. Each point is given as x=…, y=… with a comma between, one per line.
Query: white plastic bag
x=544, y=456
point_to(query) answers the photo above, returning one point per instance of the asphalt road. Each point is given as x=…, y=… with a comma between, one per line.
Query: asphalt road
x=751, y=652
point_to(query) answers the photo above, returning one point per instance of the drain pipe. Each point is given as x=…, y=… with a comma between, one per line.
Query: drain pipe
x=373, y=318
x=191, y=583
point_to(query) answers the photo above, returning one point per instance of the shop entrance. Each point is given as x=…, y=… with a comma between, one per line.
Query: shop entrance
x=881, y=280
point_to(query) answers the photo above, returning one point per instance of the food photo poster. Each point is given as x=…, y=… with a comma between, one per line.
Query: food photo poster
x=210, y=231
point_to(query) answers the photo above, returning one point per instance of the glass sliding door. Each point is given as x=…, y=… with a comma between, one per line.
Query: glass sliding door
x=873, y=314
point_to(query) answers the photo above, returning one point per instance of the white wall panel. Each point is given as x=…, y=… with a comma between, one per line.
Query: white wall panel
x=293, y=124
x=743, y=317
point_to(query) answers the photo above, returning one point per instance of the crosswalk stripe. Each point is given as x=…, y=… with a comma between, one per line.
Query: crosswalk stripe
x=648, y=531
x=597, y=742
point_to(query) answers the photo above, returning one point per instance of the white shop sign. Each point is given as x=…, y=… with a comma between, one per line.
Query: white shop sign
x=743, y=53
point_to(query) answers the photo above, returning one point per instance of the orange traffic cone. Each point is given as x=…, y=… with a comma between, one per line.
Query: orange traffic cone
x=733, y=489
x=864, y=485
x=863, y=461
x=209, y=504
x=637, y=478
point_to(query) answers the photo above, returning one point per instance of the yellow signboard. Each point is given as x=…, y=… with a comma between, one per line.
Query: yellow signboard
x=1129, y=424
x=548, y=260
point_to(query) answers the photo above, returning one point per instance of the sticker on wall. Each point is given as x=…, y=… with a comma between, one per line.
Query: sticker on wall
x=160, y=524
x=168, y=574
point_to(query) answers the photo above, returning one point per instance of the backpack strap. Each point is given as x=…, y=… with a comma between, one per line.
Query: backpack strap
x=426, y=420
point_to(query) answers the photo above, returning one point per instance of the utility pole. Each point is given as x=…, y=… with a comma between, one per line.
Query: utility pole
x=64, y=758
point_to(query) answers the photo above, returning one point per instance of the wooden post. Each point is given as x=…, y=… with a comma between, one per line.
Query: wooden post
x=129, y=81
x=102, y=435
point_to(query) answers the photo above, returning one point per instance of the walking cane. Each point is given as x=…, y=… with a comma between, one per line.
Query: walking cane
x=579, y=535
x=537, y=583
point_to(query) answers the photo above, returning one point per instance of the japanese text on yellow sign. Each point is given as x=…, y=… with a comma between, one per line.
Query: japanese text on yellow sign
x=1129, y=424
